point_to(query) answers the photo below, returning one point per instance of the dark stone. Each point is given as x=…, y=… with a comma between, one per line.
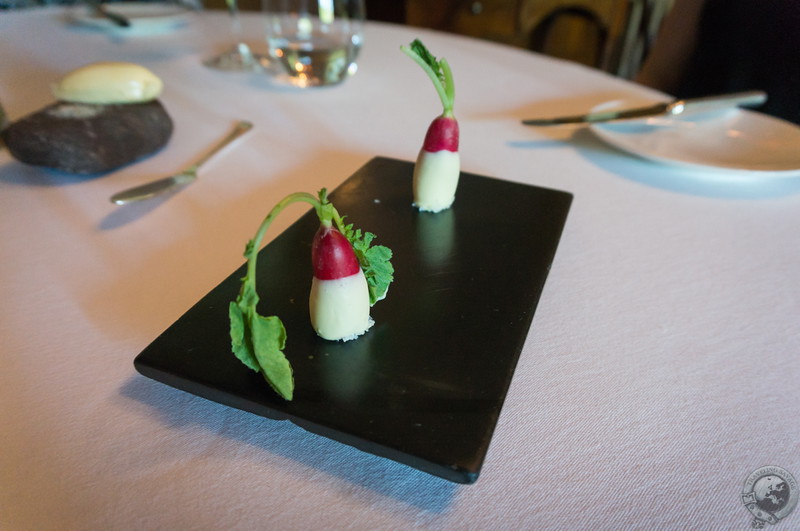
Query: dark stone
x=86, y=138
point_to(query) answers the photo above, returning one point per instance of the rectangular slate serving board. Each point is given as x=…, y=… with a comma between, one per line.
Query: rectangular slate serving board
x=426, y=384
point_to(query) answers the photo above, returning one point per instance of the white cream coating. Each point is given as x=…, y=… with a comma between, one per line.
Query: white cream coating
x=108, y=83
x=339, y=308
x=436, y=179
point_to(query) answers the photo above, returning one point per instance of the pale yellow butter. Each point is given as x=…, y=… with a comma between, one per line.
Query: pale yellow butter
x=107, y=83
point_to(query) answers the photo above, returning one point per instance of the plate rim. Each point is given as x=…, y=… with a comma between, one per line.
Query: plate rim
x=606, y=134
x=174, y=15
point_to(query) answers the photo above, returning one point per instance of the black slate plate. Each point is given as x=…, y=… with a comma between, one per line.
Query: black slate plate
x=425, y=385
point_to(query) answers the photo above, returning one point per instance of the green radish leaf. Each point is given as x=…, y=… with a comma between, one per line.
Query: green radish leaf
x=269, y=340
x=437, y=70
x=374, y=261
x=258, y=342
x=429, y=59
x=239, y=342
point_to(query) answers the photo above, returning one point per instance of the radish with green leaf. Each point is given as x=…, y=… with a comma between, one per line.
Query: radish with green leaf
x=438, y=165
x=339, y=300
x=349, y=276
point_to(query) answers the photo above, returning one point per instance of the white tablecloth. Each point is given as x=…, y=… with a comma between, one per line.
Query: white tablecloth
x=661, y=368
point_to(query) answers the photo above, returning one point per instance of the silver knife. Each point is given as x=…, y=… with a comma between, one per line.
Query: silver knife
x=749, y=99
x=154, y=188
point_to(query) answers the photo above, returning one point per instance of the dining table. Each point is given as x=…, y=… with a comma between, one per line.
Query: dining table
x=662, y=363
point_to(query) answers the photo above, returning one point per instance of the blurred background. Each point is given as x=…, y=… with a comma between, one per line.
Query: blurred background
x=613, y=35
x=686, y=48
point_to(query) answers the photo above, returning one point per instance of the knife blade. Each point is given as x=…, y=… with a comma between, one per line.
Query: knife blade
x=749, y=99
x=152, y=189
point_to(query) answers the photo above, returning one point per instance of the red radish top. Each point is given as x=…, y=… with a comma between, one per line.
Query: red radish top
x=442, y=134
x=332, y=255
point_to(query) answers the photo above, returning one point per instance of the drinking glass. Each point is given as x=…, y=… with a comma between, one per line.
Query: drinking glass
x=240, y=57
x=313, y=42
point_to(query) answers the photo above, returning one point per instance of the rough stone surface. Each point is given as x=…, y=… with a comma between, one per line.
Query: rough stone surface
x=88, y=139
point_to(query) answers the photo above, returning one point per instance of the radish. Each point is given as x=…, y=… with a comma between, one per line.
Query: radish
x=438, y=164
x=349, y=276
x=339, y=300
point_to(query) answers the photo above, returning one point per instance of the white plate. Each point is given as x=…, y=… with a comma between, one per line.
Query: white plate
x=735, y=140
x=146, y=18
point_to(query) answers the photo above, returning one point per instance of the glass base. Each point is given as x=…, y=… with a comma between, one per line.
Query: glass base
x=314, y=76
x=238, y=59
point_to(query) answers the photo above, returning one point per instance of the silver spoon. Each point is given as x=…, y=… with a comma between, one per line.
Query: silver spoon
x=146, y=191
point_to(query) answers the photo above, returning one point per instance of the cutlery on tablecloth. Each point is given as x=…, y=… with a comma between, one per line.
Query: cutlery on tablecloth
x=101, y=10
x=151, y=189
x=673, y=108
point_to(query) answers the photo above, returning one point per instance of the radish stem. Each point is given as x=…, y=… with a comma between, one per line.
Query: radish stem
x=450, y=88
x=251, y=253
